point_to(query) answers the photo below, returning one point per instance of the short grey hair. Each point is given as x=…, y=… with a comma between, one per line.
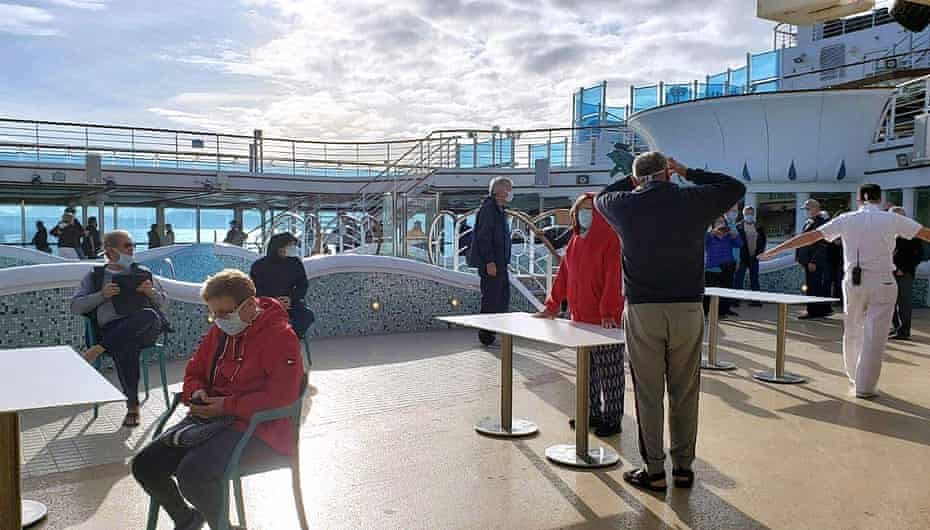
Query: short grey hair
x=112, y=239
x=648, y=165
x=747, y=208
x=496, y=181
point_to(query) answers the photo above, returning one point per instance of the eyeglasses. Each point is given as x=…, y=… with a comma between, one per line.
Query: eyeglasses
x=223, y=315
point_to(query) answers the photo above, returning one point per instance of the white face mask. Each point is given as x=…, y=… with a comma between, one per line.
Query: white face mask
x=232, y=324
x=585, y=217
x=125, y=261
x=510, y=196
x=291, y=251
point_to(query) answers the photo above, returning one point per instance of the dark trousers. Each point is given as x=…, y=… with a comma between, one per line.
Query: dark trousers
x=124, y=340
x=607, y=384
x=723, y=279
x=818, y=284
x=199, y=472
x=753, y=268
x=904, y=307
x=495, y=296
x=301, y=318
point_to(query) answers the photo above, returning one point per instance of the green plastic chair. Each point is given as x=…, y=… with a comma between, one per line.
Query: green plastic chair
x=234, y=472
x=157, y=350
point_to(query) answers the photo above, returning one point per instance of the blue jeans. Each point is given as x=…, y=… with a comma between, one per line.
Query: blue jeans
x=199, y=473
x=753, y=269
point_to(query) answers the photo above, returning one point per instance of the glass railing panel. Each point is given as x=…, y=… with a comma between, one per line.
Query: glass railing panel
x=678, y=93
x=645, y=97
x=765, y=65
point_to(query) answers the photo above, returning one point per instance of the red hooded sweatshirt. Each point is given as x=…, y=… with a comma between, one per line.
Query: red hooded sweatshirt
x=589, y=275
x=258, y=369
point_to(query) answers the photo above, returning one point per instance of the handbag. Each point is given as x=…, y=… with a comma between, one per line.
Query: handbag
x=194, y=430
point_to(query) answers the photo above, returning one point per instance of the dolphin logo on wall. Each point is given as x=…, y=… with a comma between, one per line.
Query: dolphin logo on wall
x=746, y=176
x=841, y=174
x=792, y=172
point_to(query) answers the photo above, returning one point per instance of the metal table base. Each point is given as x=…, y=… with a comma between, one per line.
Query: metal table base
x=579, y=454
x=713, y=335
x=506, y=426
x=779, y=375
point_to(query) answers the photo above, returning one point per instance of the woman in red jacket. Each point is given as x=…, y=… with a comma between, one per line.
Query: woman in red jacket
x=247, y=362
x=589, y=279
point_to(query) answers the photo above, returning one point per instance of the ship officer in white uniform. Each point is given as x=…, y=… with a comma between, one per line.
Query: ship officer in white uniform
x=869, y=286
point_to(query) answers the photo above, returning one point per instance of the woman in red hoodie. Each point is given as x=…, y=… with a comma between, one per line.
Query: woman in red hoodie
x=247, y=362
x=589, y=279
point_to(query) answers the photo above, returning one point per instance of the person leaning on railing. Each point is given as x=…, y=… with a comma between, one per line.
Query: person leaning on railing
x=247, y=362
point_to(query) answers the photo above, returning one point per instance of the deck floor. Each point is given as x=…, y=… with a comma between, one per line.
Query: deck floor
x=388, y=442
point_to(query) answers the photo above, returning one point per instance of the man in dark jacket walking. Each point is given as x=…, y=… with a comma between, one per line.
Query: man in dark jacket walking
x=663, y=284
x=490, y=251
x=754, y=241
x=907, y=256
x=815, y=263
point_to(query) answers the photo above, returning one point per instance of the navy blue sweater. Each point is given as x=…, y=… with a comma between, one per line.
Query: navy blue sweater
x=275, y=276
x=662, y=228
x=491, y=240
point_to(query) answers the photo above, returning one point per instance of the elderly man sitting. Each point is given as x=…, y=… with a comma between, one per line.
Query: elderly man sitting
x=125, y=306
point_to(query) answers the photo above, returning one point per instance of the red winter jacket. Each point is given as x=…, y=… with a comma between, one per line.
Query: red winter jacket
x=259, y=369
x=589, y=275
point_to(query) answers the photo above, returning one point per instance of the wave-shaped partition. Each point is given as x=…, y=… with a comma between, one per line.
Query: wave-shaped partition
x=11, y=256
x=35, y=301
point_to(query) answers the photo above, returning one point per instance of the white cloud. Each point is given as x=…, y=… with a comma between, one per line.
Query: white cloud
x=26, y=20
x=374, y=69
x=92, y=5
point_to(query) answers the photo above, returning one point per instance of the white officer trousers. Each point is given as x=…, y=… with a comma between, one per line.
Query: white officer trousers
x=869, y=309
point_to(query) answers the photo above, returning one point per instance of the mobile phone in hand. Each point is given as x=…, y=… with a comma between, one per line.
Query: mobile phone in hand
x=197, y=400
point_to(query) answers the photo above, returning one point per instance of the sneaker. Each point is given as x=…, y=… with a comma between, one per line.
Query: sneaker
x=486, y=337
x=896, y=336
x=642, y=479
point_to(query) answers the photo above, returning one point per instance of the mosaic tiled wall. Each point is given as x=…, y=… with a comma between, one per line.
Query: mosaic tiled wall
x=341, y=302
x=406, y=303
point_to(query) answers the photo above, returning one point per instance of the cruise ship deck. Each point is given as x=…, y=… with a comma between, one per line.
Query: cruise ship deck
x=387, y=441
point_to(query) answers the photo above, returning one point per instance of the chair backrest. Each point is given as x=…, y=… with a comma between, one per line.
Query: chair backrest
x=90, y=332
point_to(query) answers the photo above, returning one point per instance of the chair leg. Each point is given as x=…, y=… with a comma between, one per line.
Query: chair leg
x=145, y=373
x=223, y=523
x=96, y=411
x=164, y=377
x=298, y=495
x=152, y=522
x=240, y=502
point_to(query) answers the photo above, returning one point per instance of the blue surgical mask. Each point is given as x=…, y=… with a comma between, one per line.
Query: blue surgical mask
x=749, y=218
x=731, y=216
x=232, y=324
x=585, y=217
x=510, y=196
x=125, y=261
x=291, y=251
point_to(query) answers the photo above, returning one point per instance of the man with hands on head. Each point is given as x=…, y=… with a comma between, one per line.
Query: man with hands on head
x=662, y=228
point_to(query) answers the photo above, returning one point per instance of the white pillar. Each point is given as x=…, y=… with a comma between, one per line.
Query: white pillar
x=101, y=214
x=853, y=201
x=752, y=200
x=909, y=201
x=800, y=215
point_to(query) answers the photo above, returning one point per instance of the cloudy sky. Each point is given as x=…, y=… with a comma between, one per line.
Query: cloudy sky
x=348, y=69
